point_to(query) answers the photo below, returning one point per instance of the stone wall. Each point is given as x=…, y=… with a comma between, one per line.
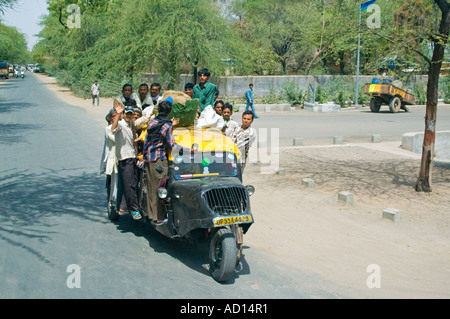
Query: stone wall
x=233, y=86
x=264, y=85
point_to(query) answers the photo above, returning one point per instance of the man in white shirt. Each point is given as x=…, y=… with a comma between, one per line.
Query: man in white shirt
x=124, y=131
x=95, y=90
x=143, y=98
x=230, y=125
x=155, y=92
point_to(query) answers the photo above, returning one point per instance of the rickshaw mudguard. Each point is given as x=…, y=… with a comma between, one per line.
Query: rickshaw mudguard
x=190, y=202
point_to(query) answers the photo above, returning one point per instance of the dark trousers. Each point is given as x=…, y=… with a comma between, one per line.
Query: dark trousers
x=128, y=184
x=96, y=97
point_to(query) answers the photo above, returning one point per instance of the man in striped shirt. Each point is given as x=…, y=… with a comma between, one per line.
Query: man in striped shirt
x=158, y=142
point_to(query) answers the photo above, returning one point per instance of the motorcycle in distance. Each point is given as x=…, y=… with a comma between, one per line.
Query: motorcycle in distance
x=204, y=198
x=22, y=74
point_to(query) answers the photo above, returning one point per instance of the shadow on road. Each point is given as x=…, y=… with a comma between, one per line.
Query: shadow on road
x=31, y=201
x=192, y=254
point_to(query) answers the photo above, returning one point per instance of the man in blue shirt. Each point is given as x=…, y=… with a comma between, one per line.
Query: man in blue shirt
x=249, y=96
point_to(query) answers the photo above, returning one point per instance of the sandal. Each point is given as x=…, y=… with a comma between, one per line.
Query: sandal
x=160, y=223
x=136, y=215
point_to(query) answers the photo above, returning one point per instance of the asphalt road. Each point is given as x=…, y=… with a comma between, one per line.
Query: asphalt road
x=53, y=209
x=355, y=126
x=53, y=217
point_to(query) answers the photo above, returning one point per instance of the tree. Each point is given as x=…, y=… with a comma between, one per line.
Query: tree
x=13, y=46
x=6, y=4
x=439, y=40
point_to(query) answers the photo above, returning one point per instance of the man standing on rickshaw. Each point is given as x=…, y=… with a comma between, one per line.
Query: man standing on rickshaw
x=158, y=141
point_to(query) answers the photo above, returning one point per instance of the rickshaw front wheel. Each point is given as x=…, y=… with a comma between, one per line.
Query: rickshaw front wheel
x=222, y=255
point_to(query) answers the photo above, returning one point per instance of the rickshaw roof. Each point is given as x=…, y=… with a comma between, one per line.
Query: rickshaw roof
x=207, y=139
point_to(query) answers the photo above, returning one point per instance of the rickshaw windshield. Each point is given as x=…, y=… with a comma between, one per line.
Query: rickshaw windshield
x=204, y=164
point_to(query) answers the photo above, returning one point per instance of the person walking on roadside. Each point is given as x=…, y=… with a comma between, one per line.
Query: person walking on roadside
x=95, y=91
x=249, y=96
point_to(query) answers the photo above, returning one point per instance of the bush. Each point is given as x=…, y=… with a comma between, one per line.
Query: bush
x=292, y=94
x=446, y=89
x=420, y=93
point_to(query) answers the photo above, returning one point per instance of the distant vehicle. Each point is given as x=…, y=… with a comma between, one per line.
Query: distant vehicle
x=37, y=68
x=4, y=69
x=388, y=94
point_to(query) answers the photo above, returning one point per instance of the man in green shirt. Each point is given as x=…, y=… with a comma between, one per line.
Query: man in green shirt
x=204, y=91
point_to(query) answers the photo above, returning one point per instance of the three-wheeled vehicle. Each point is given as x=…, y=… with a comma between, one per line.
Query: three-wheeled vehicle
x=204, y=197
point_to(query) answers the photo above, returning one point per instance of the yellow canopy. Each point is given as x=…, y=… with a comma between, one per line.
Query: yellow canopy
x=207, y=139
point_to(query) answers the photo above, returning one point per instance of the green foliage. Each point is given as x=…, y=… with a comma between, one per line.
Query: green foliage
x=292, y=94
x=13, y=47
x=6, y=4
x=420, y=93
x=120, y=40
x=446, y=89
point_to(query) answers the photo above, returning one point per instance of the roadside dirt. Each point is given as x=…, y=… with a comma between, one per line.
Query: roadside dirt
x=346, y=244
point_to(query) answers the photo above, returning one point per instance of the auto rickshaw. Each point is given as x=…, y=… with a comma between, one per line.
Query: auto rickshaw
x=204, y=197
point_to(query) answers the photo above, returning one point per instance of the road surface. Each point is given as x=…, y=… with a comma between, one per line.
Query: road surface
x=53, y=223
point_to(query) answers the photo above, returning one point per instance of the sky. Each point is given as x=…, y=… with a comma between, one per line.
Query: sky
x=25, y=17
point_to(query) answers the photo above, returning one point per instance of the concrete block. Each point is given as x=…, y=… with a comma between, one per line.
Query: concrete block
x=345, y=197
x=267, y=109
x=308, y=182
x=338, y=140
x=376, y=138
x=413, y=142
x=298, y=141
x=393, y=214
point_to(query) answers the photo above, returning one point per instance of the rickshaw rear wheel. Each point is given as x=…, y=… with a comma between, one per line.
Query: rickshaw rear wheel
x=222, y=255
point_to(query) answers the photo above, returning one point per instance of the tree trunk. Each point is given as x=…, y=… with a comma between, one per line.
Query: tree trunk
x=424, y=181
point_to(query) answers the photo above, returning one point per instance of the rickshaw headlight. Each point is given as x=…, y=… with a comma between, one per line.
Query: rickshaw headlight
x=250, y=190
x=162, y=193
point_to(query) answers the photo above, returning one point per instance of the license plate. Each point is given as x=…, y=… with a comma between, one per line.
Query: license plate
x=230, y=220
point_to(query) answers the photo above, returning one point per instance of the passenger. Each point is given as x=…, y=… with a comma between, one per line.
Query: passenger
x=205, y=91
x=244, y=136
x=155, y=92
x=125, y=97
x=188, y=89
x=159, y=138
x=218, y=105
x=230, y=125
x=143, y=98
x=108, y=164
x=126, y=155
x=139, y=144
